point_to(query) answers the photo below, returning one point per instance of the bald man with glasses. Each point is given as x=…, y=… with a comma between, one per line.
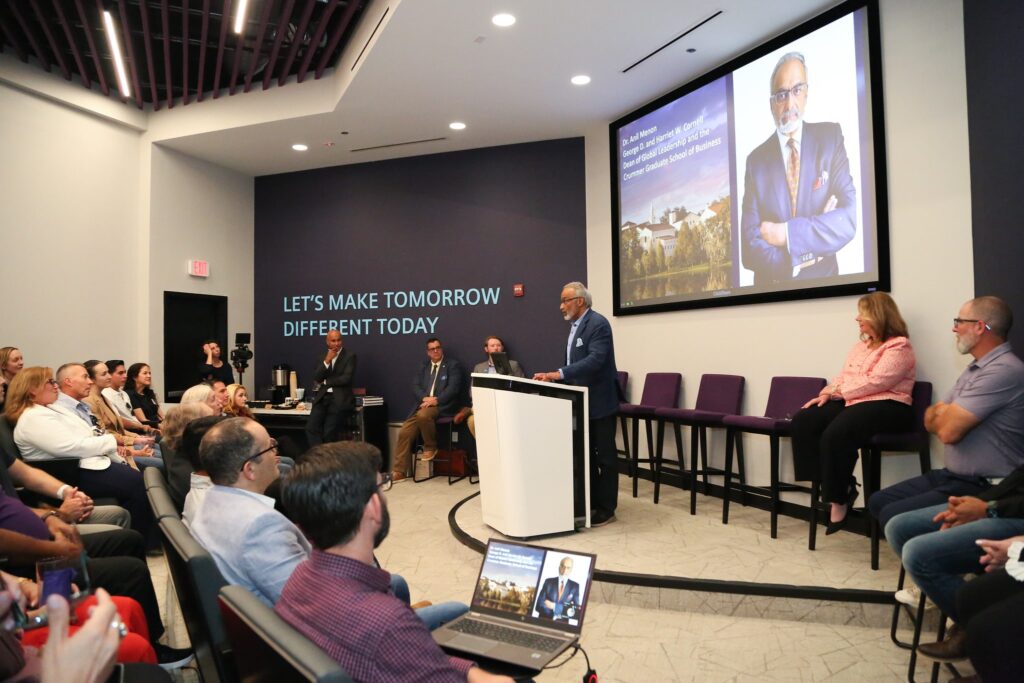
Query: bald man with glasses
x=980, y=421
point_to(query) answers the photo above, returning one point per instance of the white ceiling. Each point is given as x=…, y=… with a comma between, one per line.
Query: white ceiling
x=438, y=61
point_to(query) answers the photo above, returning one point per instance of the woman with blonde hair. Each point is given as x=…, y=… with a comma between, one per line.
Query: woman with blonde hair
x=871, y=395
x=11, y=362
x=179, y=467
x=238, y=399
x=44, y=431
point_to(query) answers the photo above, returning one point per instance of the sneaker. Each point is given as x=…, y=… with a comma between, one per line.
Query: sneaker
x=427, y=455
x=910, y=595
x=170, y=658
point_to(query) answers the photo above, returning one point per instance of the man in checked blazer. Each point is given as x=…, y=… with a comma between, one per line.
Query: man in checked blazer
x=438, y=386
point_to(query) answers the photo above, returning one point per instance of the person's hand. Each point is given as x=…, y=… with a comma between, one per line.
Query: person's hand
x=60, y=529
x=819, y=401
x=962, y=509
x=478, y=675
x=11, y=593
x=144, y=452
x=331, y=355
x=66, y=547
x=996, y=553
x=76, y=505
x=774, y=233
x=88, y=656
x=206, y=349
x=428, y=402
x=547, y=376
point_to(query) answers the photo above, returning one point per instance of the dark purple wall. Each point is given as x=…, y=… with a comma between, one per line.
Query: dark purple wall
x=480, y=219
x=994, y=55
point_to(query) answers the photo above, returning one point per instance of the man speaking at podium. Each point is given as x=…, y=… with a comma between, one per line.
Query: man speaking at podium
x=590, y=362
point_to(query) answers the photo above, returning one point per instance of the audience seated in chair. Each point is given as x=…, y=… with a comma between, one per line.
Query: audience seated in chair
x=119, y=400
x=54, y=425
x=980, y=421
x=178, y=464
x=339, y=598
x=438, y=387
x=254, y=545
x=139, y=387
x=492, y=344
x=939, y=544
x=871, y=395
x=143, y=449
x=116, y=560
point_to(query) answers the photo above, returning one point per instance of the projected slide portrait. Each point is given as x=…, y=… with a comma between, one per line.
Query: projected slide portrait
x=760, y=181
x=560, y=597
x=797, y=139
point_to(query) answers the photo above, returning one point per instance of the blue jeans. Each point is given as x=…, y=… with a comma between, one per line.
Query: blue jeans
x=922, y=491
x=434, y=615
x=937, y=560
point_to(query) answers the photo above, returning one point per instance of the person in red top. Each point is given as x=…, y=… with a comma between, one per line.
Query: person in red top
x=339, y=598
x=872, y=395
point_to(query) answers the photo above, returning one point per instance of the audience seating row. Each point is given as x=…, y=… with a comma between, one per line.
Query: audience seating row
x=235, y=636
x=719, y=399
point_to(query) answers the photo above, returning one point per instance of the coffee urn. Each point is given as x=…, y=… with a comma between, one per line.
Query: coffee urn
x=280, y=379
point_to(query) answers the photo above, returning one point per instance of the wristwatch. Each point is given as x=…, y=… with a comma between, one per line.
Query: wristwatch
x=991, y=511
x=49, y=513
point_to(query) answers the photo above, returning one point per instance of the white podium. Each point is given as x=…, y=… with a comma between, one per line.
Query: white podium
x=529, y=437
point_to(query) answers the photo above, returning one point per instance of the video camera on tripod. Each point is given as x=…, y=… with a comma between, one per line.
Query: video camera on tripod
x=241, y=354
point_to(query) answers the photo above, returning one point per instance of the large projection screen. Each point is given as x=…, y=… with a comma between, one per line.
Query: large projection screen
x=763, y=180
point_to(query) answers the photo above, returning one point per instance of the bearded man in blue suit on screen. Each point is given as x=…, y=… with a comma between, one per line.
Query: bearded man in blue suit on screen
x=559, y=596
x=799, y=202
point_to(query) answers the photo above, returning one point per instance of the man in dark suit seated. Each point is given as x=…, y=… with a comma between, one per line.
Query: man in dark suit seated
x=438, y=386
x=332, y=400
x=799, y=202
x=558, y=593
x=590, y=362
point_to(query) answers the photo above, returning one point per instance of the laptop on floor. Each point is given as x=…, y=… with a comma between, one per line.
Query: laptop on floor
x=528, y=605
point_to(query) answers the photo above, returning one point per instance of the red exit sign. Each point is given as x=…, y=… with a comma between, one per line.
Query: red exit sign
x=199, y=268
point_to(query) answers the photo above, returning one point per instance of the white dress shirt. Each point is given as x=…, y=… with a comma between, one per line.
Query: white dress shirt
x=53, y=433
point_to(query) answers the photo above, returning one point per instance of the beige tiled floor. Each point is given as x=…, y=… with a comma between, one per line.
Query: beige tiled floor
x=641, y=634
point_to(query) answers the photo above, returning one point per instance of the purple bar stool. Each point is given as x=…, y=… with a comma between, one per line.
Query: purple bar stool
x=786, y=396
x=661, y=390
x=717, y=396
x=917, y=440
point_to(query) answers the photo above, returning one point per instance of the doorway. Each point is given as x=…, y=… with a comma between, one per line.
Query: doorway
x=189, y=320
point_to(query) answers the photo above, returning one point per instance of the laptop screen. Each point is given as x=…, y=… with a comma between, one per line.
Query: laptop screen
x=533, y=584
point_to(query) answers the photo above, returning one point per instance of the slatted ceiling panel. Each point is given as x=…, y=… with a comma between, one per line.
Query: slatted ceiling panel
x=180, y=51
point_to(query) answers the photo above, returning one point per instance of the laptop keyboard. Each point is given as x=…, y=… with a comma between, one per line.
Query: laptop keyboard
x=504, y=634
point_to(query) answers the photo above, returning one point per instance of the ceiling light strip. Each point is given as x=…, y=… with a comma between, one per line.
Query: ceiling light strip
x=115, y=49
x=240, y=12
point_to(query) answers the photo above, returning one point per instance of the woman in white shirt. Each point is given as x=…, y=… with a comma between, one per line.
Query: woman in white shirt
x=45, y=431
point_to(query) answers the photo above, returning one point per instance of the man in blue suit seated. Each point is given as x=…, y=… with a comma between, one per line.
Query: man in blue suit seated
x=799, y=202
x=559, y=596
x=590, y=362
x=439, y=387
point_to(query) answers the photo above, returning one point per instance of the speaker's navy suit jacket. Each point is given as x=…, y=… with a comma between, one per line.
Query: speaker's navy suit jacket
x=549, y=591
x=450, y=387
x=592, y=364
x=824, y=172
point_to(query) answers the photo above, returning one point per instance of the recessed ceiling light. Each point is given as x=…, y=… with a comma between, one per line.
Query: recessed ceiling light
x=299, y=147
x=503, y=20
x=581, y=79
x=457, y=125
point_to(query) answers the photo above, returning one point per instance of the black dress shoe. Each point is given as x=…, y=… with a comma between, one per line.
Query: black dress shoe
x=851, y=496
x=952, y=649
x=600, y=518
